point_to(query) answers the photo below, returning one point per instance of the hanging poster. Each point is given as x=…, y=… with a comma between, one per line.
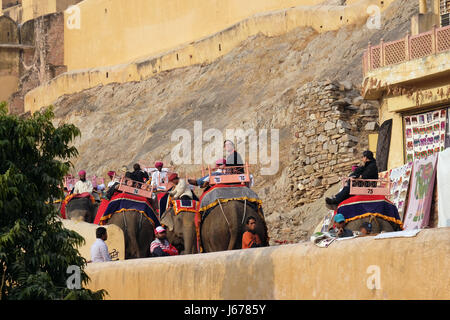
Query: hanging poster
x=447, y=136
x=400, y=178
x=425, y=134
x=443, y=177
x=420, y=193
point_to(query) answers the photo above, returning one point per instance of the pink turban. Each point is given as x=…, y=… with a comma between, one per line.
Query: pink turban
x=221, y=162
x=82, y=173
x=158, y=164
x=111, y=173
x=173, y=176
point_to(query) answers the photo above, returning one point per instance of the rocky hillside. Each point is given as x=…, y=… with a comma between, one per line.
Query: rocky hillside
x=303, y=83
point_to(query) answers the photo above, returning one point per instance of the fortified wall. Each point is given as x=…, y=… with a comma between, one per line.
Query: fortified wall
x=102, y=53
x=30, y=54
x=22, y=11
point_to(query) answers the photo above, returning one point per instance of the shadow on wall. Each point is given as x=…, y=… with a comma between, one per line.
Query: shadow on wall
x=256, y=275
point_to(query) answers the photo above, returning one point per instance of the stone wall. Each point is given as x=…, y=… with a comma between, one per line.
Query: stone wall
x=45, y=61
x=330, y=129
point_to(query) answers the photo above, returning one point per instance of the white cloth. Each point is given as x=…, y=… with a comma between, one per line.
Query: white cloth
x=82, y=187
x=398, y=234
x=443, y=177
x=111, y=183
x=99, y=251
x=157, y=177
x=181, y=189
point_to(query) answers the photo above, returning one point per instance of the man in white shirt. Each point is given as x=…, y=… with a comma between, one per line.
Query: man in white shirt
x=99, y=250
x=83, y=185
x=158, y=176
x=111, y=175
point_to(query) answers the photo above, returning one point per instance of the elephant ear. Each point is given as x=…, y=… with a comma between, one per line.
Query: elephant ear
x=167, y=220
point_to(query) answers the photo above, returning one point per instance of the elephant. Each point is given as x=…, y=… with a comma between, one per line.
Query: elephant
x=223, y=229
x=378, y=224
x=181, y=231
x=138, y=232
x=81, y=209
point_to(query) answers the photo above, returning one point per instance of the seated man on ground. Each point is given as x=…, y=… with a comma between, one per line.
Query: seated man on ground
x=219, y=170
x=250, y=239
x=368, y=170
x=161, y=247
x=365, y=228
x=340, y=231
x=82, y=185
x=181, y=190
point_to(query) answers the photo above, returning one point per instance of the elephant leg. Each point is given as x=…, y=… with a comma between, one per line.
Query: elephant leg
x=189, y=233
x=233, y=212
x=145, y=235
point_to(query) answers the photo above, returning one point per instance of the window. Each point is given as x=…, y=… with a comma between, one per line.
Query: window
x=444, y=10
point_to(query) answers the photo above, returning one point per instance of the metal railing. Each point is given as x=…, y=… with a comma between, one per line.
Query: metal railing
x=410, y=47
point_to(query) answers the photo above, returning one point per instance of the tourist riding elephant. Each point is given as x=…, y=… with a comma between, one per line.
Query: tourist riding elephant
x=378, y=224
x=138, y=232
x=181, y=230
x=223, y=227
x=81, y=209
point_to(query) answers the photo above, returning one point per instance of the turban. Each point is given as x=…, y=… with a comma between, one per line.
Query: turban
x=221, y=162
x=173, y=176
x=82, y=173
x=124, y=169
x=158, y=164
x=111, y=173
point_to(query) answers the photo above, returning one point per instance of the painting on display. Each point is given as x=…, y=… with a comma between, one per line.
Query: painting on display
x=400, y=179
x=421, y=193
x=425, y=134
x=447, y=136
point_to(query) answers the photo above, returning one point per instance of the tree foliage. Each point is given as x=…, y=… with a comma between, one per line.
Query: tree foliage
x=35, y=248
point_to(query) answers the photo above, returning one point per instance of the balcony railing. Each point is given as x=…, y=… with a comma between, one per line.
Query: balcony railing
x=408, y=48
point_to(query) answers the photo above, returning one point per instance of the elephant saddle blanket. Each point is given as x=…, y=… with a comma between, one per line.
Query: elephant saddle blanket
x=221, y=193
x=362, y=206
x=123, y=202
x=101, y=210
x=74, y=196
x=185, y=205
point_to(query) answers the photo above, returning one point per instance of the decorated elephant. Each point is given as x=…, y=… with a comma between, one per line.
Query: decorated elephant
x=222, y=228
x=83, y=209
x=378, y=224
x=181, y=231
x=138, y=231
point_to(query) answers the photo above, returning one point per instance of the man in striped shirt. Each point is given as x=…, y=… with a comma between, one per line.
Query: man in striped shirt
x=161, y=247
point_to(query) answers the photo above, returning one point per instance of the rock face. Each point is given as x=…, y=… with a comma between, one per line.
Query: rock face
x=303, y=83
